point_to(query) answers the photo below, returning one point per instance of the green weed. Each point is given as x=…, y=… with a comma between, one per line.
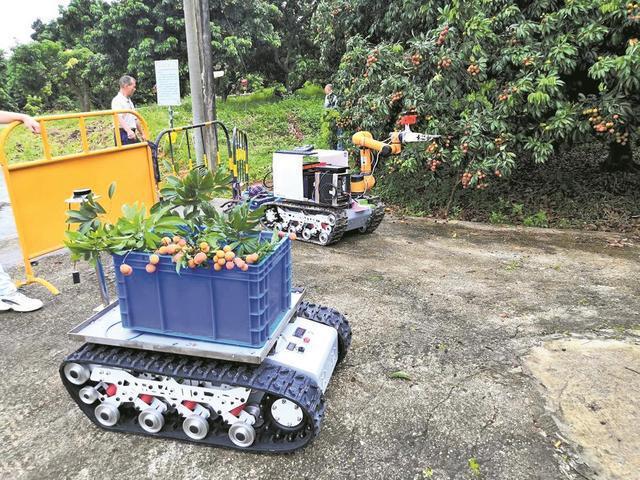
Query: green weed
x=536, y=220
x=474, y=466
x=498, y=218
x=427, y=473
x=517, y=209
x=513, y=265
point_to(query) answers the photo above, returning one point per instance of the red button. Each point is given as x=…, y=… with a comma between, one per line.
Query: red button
x=306, y=339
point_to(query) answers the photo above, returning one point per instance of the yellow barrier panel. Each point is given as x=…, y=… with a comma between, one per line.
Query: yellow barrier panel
x=38, y=189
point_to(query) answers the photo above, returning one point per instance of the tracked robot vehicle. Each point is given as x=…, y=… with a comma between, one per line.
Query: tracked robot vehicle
x=317, y=198
x=258, y=386
x=268, y=399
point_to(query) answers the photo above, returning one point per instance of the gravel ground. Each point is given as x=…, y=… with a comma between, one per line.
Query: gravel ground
x=459, y=308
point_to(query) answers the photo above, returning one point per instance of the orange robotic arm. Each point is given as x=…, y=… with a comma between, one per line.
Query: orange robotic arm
x=365, y=180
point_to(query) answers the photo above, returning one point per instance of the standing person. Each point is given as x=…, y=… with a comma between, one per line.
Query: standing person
x=331, y=116
x=130, y=126
x=330, y=98
x=10, y=298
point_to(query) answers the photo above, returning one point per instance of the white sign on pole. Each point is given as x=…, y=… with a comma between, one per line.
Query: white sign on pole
x=167, y=82
x=218, y=73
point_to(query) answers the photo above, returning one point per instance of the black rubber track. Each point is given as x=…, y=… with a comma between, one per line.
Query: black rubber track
x=310, y=209
x=274, y=380
x=376, y=218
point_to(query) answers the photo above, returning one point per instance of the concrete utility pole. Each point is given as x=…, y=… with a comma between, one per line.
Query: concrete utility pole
x=196, y=21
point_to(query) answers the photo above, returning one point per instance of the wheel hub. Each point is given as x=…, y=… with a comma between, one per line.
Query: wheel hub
x=242, y=434
x=286, y=413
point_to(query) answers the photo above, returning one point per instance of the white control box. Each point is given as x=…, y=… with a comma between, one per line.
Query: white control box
x=309, y=347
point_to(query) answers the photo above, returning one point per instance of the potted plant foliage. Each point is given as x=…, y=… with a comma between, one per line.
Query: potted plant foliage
x=184, y=268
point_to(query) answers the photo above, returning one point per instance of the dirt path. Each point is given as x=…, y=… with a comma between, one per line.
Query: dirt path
x=461, y=311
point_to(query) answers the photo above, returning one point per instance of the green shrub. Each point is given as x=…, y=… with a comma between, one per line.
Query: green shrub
x=538, y=219
x=498, y=218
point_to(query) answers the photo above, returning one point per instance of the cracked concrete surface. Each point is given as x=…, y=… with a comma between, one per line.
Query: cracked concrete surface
x=593, y=387
x=456, y=307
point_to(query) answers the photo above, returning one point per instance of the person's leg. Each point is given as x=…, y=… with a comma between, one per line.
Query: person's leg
x=7, y=287
x=11, y=299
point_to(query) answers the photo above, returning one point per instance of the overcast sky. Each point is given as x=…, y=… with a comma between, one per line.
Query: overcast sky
x=18, y=15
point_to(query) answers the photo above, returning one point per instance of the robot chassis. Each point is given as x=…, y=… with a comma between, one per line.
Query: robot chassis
x=321, y=225
x=275, y=406
x=312, y=197
x=315, y=196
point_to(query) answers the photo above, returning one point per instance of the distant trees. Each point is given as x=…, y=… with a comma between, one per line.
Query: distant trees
x=6, y=102
x=77, y=58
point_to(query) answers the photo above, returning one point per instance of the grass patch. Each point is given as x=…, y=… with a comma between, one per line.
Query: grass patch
x=271, y=124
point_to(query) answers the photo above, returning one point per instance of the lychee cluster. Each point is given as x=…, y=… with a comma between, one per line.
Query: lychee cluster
x=468, y=176
x=444, y=63
x=396, y=96
x=443, y=36
x=372, y=58
x=473, y=69
x=506, y=93
x=613, y=126
x=198, y=255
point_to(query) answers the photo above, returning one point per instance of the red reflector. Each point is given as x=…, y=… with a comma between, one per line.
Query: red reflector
x=111, y=390
x=146, y=398
x=408, y=119
x=236, y=411
x=189, y=404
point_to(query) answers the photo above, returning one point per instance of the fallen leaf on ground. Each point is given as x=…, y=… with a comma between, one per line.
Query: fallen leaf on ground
x=401, y=375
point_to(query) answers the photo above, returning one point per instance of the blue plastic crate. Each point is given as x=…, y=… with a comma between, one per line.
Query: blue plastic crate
x=229, y=306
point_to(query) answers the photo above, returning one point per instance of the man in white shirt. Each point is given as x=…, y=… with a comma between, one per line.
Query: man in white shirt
x=130, y=128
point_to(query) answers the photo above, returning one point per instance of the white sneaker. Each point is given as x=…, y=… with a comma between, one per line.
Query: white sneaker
x=19, y=303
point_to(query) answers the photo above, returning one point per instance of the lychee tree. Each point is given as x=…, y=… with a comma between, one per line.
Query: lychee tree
x=497, y=79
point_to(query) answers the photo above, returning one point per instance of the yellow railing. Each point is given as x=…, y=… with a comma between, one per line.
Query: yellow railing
x=38, y=189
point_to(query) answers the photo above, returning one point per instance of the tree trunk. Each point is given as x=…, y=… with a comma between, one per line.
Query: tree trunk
x=85, y=102
x=620, y=159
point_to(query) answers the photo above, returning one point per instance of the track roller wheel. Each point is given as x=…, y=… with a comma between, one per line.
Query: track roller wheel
x=76, y=373
x=107, y=415
x=242, y=434
x=151, y=420
x=88, y=395
x=195, y=427
x=287, y=415
x=323, y=238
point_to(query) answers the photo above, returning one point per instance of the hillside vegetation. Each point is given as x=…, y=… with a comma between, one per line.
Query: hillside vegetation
x=271, y=123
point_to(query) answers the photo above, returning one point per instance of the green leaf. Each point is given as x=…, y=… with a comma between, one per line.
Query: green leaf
x=474, y=466
x=112, y=189
x=75, y=216
x=402, y=375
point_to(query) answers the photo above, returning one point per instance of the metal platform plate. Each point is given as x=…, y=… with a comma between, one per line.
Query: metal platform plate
x=106, y=328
